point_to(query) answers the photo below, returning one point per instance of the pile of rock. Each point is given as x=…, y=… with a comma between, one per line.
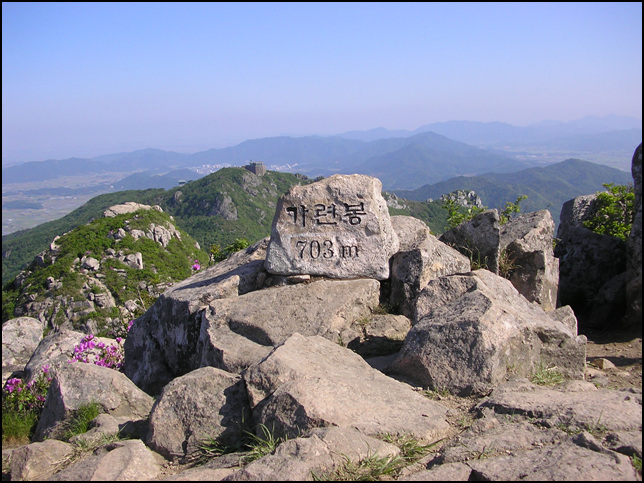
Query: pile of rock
x=269, y=340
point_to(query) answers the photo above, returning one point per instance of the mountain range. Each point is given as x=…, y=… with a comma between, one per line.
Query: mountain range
x=400, y=159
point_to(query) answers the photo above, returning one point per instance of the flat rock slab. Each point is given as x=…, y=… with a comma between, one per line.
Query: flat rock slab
x=338, y=227
x=581, y=406
x=311, y=382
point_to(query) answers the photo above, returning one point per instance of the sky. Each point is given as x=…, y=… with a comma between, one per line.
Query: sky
x=85, y=79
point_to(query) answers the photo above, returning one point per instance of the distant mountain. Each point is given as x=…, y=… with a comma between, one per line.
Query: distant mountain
x=496, y=133
x=429, y=157
x=371, y=151
x=50, y=169
x=547, y=188
x=144, y=159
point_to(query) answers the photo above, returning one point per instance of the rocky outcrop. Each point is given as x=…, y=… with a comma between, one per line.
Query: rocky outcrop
x=473, y=329
x=224, y=207
x=519, y=250
x=590, y=264
x=530, y=432
x=634, y=249
x=230, y=330
x=421, y=258
x=237, y=354
x=127, y=207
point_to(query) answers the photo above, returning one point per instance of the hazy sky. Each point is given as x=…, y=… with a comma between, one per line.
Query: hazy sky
x=96, y=78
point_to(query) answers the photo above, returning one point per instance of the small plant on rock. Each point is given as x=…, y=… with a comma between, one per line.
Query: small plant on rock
x=81, y=419
x=369, y=468
x=546, y=375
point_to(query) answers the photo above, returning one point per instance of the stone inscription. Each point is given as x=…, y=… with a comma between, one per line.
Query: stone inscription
x=338, y=227
x=323, y=214
x=325, y=249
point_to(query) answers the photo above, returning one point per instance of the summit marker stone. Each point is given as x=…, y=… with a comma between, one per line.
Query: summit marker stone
x=338, y=227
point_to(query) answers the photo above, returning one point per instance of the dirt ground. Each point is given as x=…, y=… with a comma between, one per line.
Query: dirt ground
x=623, y=350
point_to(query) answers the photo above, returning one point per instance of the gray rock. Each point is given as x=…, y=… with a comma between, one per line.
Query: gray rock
x=224, y=207
x=105, y=426
x=587, y=262
x=128, y=460
x=205, y=404
x=326, y=307
x=314, y=456
x=90, y=263
x=422, y=258
x=474, y=328
x=163, y=343
x=162, y=234
x=39, y=461
x=56, y=350
x=20, y=338
x=78, y=384
x=634, y=248
x=311, y=382
x=446, y=472
x=527, y=257
x=134, y=260
x=581, y=407
x=478, y=239
x=382, y=334
x=128, y=207
x=338, y=227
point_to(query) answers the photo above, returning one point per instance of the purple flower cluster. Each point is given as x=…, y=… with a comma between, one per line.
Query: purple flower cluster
x=26, y=396
x=91, y=351
x=196, y=266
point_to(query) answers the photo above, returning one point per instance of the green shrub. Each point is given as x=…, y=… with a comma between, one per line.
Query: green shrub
x=615, y=211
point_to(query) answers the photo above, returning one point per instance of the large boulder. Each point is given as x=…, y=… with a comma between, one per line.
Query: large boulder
x=421, y=258
x=338, y=227
x=634, y=249
x=128, y=460
x=57, y=350
x=20, y=338
x=207, y=404
x=478, y=239
x=473, y=329
x=310, y=382
x=589, y=264
x=163, y=343
x=78, y=384
x=39, y=461
x=527, y=257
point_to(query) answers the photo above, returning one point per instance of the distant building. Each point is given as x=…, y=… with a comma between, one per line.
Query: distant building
x=258, y=168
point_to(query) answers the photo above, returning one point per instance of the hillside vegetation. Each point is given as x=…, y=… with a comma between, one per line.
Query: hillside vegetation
x=200, y=209
x=91, y=273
